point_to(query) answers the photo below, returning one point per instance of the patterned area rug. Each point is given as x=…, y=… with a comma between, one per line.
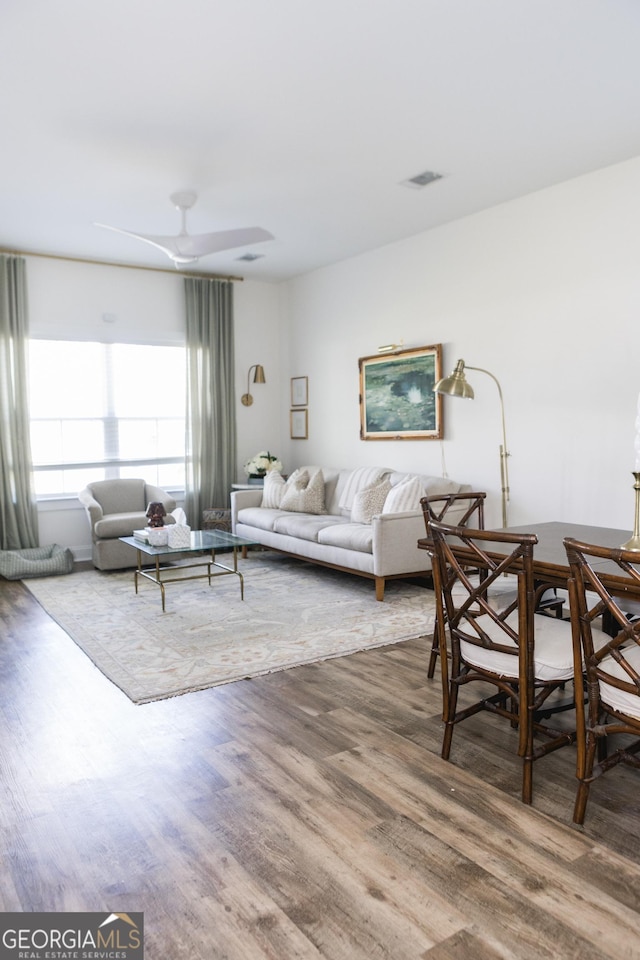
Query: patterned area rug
x=293, y=613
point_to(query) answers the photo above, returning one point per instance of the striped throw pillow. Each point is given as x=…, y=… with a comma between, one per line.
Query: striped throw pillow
x=273, y=489
x=404, y=497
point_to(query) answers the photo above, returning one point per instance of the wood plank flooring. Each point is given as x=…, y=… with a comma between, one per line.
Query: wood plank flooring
x=306, y=814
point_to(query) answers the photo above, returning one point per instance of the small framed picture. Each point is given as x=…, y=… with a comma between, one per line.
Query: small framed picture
x=299, y=424
x=299, y=391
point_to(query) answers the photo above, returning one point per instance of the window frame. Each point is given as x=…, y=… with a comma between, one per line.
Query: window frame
x=112, y=465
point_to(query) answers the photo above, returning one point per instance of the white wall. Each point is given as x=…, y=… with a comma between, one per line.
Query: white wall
x=116, y=304
x=259, y=339
x=544, y=292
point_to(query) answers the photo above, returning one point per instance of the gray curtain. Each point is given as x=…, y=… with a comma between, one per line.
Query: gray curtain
x=211, y=418
x=18, y=512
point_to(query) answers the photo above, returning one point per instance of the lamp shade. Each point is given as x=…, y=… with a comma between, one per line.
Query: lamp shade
x=455, y=385
x=258, y=377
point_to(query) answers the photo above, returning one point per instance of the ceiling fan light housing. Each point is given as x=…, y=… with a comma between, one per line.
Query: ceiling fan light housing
x=183, y=199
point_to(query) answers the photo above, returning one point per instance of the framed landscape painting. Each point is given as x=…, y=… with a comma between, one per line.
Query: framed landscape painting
x=397, y=401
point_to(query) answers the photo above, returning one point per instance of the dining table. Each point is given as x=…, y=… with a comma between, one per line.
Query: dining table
x=550, y=563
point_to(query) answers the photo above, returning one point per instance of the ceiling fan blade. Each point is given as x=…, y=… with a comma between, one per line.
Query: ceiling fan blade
x=168, y=245
x=203, y=244
x=186, y=248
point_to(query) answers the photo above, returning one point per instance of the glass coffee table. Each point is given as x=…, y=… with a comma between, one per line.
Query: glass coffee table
x=202, y=541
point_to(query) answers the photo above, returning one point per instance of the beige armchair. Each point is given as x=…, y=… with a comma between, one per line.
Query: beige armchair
x=116, y=508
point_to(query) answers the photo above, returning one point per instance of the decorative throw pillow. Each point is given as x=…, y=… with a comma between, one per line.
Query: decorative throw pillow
x=370, y=501
x=357, y=480
x=404, y=497
x=274, y=484
x=304, y=494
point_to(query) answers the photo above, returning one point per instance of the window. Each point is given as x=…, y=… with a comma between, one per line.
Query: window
x=105, y=410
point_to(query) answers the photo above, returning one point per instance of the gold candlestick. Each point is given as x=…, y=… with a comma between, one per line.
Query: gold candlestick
x=634, y=543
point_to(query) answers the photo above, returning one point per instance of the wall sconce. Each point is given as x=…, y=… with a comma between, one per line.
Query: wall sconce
x=456, y=385
x=391, y=347
x=258, y=377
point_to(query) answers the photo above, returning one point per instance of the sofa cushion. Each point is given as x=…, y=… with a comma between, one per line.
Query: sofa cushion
x=274, y=484
x=368, y=502
x=404, y=497
x=259, y=517
x=332, y=478
x=357, y=480
x=350, y=536
x=120, y=496
x=304, y=526
x=304, y=493
x=120, y=525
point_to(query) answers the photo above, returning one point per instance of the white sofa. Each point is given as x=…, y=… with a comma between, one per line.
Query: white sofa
x=382, y=547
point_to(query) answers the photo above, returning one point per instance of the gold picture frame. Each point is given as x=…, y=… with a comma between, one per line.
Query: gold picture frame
x=299, y=424
x=397, y=401
x=299, y=391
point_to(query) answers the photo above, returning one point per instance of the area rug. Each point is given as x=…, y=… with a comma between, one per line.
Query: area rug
x=293, y=613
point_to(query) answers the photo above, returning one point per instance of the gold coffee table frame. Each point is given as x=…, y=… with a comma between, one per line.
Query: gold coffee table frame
x=202, y=541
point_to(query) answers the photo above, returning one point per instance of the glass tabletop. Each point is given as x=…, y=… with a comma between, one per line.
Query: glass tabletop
x=200, y=540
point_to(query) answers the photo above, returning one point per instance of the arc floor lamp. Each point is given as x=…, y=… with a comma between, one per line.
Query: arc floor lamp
x=456, y=385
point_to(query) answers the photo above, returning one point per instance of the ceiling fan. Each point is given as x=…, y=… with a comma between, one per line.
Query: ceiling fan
x=184, y=248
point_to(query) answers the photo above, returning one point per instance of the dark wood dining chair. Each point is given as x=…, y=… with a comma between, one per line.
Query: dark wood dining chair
x=462, y=510
x=611, y=679
x=526, y=656
x=457, y=508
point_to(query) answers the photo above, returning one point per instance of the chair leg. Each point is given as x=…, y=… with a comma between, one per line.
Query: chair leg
x=527, y=780
x=580, y=806
x=584, y=773
x=449, y=722
x=433, y=658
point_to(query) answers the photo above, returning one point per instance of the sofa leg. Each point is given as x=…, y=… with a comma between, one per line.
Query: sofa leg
x=379, y=588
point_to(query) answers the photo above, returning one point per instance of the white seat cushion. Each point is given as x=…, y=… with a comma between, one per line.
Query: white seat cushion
x=304, y=526
x=628, y=703
x=350, y=536
x=500, y=594
x=553, y=649
x=259, y=517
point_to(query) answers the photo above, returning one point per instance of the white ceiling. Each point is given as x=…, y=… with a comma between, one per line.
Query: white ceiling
x=299, y=117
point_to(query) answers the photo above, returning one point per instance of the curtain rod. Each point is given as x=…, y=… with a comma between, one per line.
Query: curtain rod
x=126, y=266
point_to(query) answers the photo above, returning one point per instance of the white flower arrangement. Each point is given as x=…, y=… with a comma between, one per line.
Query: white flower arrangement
x=259, y=465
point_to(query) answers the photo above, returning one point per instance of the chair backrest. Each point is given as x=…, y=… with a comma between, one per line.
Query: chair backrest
x=612, y=663
x=455, y=508
x=119, y=496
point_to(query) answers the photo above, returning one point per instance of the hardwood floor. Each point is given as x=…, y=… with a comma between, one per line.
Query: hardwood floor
x=306, y=814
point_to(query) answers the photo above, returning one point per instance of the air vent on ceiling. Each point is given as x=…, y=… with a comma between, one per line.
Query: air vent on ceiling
x=421, y=179
x=250, y=257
